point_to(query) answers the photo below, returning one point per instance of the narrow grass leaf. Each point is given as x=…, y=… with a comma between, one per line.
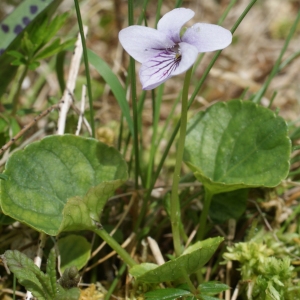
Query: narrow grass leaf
x=112, y=80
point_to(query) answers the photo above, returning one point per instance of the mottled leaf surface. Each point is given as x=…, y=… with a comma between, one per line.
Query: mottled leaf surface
x=61, y=183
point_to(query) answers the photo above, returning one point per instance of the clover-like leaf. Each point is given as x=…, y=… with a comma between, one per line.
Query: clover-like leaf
x=237, y=144
x=49, y=177
x=192, y=259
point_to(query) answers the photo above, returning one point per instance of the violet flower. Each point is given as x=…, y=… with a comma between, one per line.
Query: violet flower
x=164, y=52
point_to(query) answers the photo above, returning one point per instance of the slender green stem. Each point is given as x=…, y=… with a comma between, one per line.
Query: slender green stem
x=157, y=17
x=190, y=284
x=120, y=136
x=17, y=93
x=289, y=60
x=14, y=286
x=276, y=67
x=227, y=10
x=272, y=98
x=152, y=148
x=115, y=282
x=178, y=3
x=115, y=246
x=168, y=120
x=202, y=223
x=86, y=65
x=156, y=104
x=175, y=205
x=242, y=16
x=143, y=12
x=134, y=103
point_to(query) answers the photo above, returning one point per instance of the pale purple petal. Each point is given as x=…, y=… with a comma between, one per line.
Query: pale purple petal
x=207, y=37
x=172, y=22
x=166, y=64
x=158, y=69
x=142, y=43
x=189, y=55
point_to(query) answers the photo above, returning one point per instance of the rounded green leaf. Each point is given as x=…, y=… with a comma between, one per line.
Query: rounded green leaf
x=48, y=177
x=237, y=144
x=192, y=259
x=74, y=250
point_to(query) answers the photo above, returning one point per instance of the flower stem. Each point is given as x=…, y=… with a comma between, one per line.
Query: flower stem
x=86, y=65
x=156, y=104
x=202, y=223
x=196, y=91
x=175, y=205
x=115, y=282
x=134, y=102
x=115, y=246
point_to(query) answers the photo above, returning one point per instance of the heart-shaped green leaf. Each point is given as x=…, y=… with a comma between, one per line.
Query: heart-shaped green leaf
x=192, y=259
x=237, y=144
x=61, y=183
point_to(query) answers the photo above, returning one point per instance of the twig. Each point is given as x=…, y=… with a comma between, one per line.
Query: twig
x=192, y=235
x=70, y=85
x=236, y=292
x=85, y=121
x=80, y=119
x=25, y=143
x=155, y=250
x=10, y=291
x=78, y=111
x=28, y=126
